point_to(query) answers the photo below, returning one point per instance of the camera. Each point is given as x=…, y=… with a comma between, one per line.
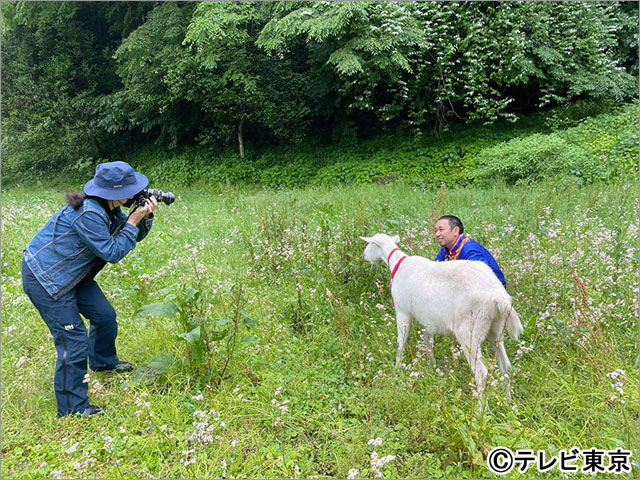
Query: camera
x=165, y=197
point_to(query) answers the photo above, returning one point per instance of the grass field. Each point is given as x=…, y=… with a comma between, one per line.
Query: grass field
x=270, y=346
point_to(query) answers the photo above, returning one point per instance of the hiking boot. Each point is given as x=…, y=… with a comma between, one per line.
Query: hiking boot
x=120, y=367
x=92, y=410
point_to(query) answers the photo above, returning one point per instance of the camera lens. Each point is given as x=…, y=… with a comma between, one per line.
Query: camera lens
x=168, y=197
x=165, y=197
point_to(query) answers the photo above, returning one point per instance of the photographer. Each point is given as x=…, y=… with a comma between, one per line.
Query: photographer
x=58, y=270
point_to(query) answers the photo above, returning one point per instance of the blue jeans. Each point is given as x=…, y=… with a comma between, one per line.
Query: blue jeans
x=70, y=338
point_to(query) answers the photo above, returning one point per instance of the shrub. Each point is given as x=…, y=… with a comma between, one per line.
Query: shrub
x=177, y=170
x=295, y=174
x=233, y=173
x=571, y=114
x=535, y=158
x=359, y=173
x=612, y=138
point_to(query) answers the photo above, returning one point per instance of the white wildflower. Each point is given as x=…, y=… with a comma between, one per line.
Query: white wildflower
x=72, y=448
x=353, y=473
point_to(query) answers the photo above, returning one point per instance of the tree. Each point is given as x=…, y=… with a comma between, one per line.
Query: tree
x=366, y=45
x=56, y=60
x=88, y=80
x=573, y=55
x=237, y=85
x=154, y=67
x=420, y=62
x=192, y=72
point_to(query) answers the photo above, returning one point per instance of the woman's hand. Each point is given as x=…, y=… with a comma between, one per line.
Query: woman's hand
x=149, y=206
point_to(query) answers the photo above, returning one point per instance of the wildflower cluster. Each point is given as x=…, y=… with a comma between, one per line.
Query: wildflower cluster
x=522, y=349
x=616, y=377
x=378, y=462
x=376, y=442
x=187, y=457
x=143, y=404
x=353, y=473
x=280, y=405
x=205, y=424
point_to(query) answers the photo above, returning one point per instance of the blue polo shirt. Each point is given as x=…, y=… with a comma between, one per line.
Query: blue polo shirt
x=471, y=250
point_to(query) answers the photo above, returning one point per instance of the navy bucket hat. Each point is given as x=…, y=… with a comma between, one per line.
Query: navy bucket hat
x=115, y=181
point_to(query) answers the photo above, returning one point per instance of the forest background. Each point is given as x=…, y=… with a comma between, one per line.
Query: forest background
x=292, y=93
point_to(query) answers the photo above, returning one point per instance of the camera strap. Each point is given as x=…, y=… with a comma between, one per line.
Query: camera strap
x=131, y=210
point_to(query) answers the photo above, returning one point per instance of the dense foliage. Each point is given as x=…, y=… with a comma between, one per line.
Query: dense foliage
x=536, y=148
x=602, y=146
x=85, y=82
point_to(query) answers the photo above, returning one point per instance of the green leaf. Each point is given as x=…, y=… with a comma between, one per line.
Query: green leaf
x=247, y=320
x=215, y=336
x=192, y=337
x=162, y=361
x=223, y=321
x=250, y=339
x=194, y=321
x=171, y=297
x=164, y=291
x=191, y=294
x=160, y=309
x=146, y=375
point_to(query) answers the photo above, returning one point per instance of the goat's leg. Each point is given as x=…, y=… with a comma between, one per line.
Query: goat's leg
x=403, y=322
x=504, y=365
x=479, y=369
x=427, y=339
x=472, y=351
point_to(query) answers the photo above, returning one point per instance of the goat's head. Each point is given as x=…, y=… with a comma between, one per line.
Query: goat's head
x=374, y=252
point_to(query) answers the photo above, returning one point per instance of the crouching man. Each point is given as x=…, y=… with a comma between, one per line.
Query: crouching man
x=449, y=233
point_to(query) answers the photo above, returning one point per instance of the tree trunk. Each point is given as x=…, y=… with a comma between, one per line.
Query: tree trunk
x=94, y=145
x=241, y=138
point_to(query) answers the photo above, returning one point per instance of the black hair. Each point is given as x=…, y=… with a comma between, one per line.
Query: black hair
x=453, y=222
x=75, y=199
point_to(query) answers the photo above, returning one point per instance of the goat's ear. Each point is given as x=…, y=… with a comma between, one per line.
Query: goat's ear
x=366, y=239
x=395, y=239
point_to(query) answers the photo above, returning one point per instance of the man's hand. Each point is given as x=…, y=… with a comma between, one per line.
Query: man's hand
x=149, y=206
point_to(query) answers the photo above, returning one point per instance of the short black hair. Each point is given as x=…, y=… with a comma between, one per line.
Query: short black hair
x=75, y=199
x=453, y=222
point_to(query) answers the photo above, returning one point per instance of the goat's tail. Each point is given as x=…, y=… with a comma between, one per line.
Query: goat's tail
x=513, y=324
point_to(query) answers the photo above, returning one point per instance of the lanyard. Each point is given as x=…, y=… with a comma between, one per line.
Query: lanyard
x=453, y=254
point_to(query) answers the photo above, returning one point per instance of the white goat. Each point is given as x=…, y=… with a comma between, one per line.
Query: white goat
x=462, y=297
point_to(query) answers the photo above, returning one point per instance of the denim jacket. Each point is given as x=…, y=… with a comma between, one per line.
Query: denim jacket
x=74, y=243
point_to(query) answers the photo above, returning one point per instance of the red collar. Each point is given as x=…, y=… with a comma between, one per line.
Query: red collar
x=455, y=244
x=391, y=253
x=395, y=269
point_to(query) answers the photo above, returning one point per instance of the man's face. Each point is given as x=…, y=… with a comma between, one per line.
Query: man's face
x=444, y=235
